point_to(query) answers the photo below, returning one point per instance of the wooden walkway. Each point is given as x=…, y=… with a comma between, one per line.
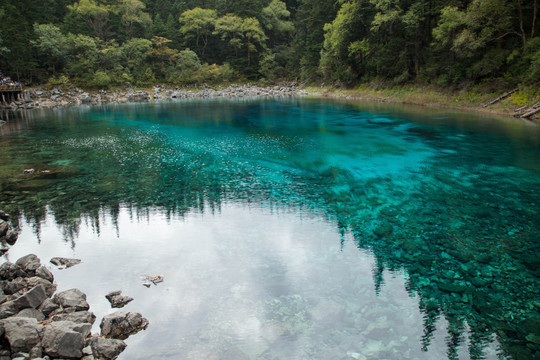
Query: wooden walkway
x=10, y=93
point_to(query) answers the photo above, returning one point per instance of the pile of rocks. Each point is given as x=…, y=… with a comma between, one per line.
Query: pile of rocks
x=233, y=91
x=8, y=236
x=58, y=97
x=34, y=324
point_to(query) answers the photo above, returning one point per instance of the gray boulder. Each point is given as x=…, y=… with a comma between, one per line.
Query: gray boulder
x=45, y=274
x=36, y=352
x=15, y=286
x=8, y=270
x=85, y=98
x=8, y=309
x=31, y=313
x=48, y=306
x=73, y=298
x=49, y=287
x=65, y=339
x=29, y=263
x=120, y=325
x=107, y=349
x=11, y=237
x=22, y=333
x=32, y=298
x=78, y=317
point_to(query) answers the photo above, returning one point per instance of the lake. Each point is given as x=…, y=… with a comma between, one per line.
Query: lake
x=288, y=229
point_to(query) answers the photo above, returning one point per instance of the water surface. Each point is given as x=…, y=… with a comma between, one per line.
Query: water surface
x=288, y=229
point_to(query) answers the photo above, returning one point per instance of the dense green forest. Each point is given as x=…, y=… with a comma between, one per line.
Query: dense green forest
x=102, y=43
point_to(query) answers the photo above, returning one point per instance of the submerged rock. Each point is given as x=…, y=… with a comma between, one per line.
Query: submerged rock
x=117, y=300
x=385, y=229
x=234, y=353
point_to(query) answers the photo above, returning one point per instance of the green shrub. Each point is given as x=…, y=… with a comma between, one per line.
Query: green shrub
x=101, y=80
x=59, y=80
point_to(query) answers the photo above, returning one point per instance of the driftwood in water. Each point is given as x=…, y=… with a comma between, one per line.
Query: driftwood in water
x=503, y=96
x=531, y=113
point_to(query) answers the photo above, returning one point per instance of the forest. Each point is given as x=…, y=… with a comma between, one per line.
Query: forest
x=106, y=43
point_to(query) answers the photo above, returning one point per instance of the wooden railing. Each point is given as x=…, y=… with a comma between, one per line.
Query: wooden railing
x=11, y=88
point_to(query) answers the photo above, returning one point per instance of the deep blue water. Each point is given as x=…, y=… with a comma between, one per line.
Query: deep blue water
x=289, y=229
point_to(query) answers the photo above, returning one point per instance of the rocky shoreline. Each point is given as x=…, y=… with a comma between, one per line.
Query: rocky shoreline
x=36, y=323
x=40, y=97
x=58, y=97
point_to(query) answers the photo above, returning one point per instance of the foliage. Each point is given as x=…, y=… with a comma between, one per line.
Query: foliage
x=133, y=13
x=138, y=42
x=95, y=14
x=198, y=24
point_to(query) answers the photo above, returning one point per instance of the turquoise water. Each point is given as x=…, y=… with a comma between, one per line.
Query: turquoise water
x=289, y=229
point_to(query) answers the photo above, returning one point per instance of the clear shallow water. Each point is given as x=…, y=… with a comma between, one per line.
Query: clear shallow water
x=289, y=229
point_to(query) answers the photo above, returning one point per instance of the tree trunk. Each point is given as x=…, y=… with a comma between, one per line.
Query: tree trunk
x=249, y=52
x=535, y=11
x=523, y=36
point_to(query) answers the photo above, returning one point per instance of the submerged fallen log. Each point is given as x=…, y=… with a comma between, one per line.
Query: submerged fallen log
x=503, y=96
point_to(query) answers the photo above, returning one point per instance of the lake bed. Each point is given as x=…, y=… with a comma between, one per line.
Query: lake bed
x=288, y=229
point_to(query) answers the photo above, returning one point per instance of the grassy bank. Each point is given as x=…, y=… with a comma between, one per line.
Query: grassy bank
x=470, y=100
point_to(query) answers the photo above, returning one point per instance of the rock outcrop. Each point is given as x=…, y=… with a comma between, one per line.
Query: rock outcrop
x=35, y=324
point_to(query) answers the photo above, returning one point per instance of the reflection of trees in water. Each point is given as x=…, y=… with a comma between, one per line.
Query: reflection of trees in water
x=452, y=240
x=478, y=287
x=467, y=274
